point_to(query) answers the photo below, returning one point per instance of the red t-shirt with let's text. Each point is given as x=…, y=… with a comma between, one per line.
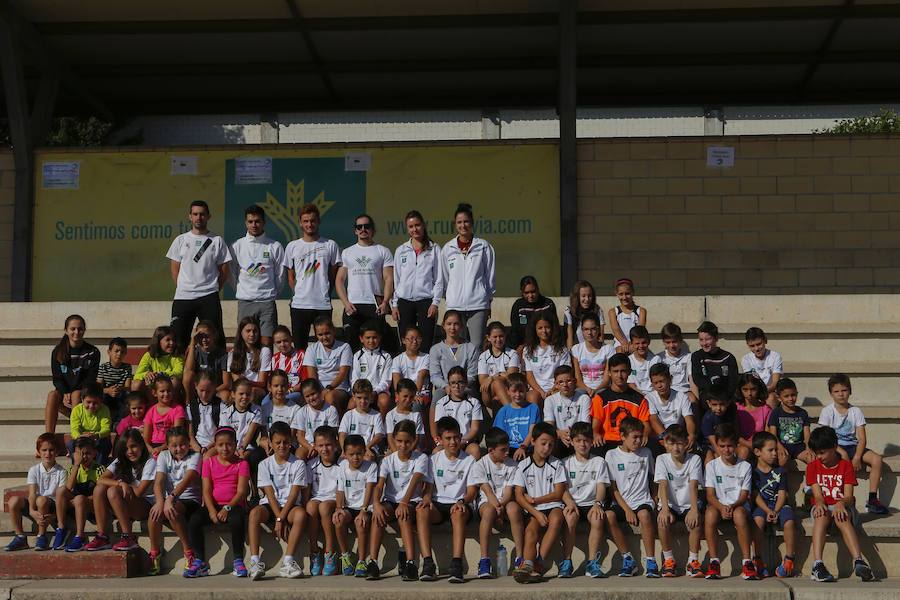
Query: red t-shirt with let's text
x=831, y=479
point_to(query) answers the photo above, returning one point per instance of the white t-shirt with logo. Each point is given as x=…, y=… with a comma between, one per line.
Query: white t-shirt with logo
x=543, y=361
x=770, y=364
x=630, y=471
x=365, y=272
x=308, y=419
x=640, y=373
x=329, y=362
x=679, y=479
x=579, y=333
x=147, y=474
x=240, y=421
x=176, y=470
x=368, y=424
x=583, y=477
x=450, y=476
x=46, y=480
x=679, y=369
x=281, y=478
x=353, y=482
x=265, y=363
x=540, y=480
x=488, y=364
x=728, y=480
x=592, y=365
x=274, y=414
x=393, y=417
x=322, y=479
x=844, y=425
x=398, y=474
x=409, y=368
x=200, y=257
x=464, y=411
x=675, y=410
x=312, y=263
x=258, y=267
x=497, y=476
x=564, y=412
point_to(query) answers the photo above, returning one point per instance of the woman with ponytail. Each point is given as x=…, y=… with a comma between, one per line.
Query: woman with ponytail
x=73, y=363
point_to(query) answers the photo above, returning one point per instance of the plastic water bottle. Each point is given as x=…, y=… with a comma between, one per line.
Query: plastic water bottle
x=502, y=562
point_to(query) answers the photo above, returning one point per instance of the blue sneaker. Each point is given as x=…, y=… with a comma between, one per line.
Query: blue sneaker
x=347, y=564
x=652, y=568
x=239, y=569
x=197, y=568
x=19, y=542
x=59, y=539
x=41, y=543
x=76, y=544
x=315, y=564
x=330, y=564
x=629, y=567
x=565, y=569
x=484, y=568
x=592, y=569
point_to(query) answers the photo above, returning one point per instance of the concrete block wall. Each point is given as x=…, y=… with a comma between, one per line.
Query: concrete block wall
x=7, y=203
x=796, y=214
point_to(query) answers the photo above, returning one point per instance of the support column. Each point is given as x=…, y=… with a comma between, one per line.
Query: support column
x=566, y=109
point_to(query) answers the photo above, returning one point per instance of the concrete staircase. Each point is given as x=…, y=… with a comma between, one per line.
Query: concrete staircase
x=817, y=336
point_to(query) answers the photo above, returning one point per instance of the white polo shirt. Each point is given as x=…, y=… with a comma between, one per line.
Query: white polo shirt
x=46, y=480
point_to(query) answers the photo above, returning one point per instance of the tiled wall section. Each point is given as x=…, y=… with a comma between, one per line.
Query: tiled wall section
x=798, y=214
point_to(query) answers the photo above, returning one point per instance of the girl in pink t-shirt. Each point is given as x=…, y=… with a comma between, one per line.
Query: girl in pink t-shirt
x=162, y=416
x=226, y=483
x=752, y=410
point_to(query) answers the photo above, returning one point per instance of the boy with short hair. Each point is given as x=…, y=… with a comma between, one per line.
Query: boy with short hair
x=91, y=418
x=115, y=377
x=405, y=394
x=641, y=360
x=762, y=362
x=322, y=474
x=629, y=468
x=770, y=501
x=585, y=500
x=850, y=425
x=612, y=405
x=353, y=501
x=518, y=418
x=540, y=484
x=44, y=479
x=362, y=420
x=565, y=408
x=678, y=476
x=450, y=493
x=832, y=480
x=81, y=479
x=493, y=475
x=711, y=366
x=728, y=484
x=677, y=358
x=373, y=364
x=720, y=411
x=790, y=425
x=668, y=406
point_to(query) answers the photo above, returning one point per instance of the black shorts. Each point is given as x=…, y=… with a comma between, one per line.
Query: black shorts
x=681, y=516
x=85, y=488
x=412, y=508
x=583, y=512
x=620, y=512
x=445, y=508
x=545, y=511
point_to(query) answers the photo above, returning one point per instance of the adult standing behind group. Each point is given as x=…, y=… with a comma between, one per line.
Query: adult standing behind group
x=312, y=263
x=73, y=363
x=258, y=271
x=467, y=268
x=199, y=264
x=418, y=281
x=365, y=283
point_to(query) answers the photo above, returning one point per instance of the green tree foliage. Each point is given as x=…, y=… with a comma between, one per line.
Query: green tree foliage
x=884, y=121
x=68, y=131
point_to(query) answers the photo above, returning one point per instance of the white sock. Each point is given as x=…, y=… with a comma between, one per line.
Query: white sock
x=667, y=555
x=626, y=555
x=692, y=556
x=254, y=558
x=287, y=559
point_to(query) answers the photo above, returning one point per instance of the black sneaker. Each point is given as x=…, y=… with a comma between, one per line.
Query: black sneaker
x=821, y=574
x=372, y=571
x=863, y=570
x=429, y=570
x=456, y=571
x=410, y=572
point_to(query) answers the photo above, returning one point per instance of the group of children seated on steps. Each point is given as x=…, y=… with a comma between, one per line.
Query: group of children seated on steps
x=335, y=442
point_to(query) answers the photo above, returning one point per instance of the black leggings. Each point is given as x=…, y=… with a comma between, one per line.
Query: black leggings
x=415, y=313
x=185, y=312
x=236, y=522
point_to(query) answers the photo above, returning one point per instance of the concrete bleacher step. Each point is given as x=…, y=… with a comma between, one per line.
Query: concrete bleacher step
x=26, y=564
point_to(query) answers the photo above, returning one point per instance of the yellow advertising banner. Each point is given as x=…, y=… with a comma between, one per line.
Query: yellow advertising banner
x=104, y=220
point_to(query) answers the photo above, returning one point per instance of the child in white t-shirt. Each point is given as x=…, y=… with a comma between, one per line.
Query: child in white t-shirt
x=413, y=365
x=565, y=408
x=405, y=392
x=372, y=364
x=467, y=412
x=641, y=360
x=362, y=420
x=353, y=503
x=447, y=496
x=669, y=407
x=328, y=361
x=629, y=468
x=589, y=357
x=312, y=415
x=678, y=360
x=762, y=362
x=585, y=499
x=494, y=364
x=280, y=409
x=728, y=485
x=243, y=416
x=679, y=475
x=43, y=480
x=283, y=492
x=322, y=474
x=545, y=349
x=493, y=475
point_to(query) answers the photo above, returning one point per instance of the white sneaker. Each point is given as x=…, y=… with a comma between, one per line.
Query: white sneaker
x=291, y=570
x=257, y=569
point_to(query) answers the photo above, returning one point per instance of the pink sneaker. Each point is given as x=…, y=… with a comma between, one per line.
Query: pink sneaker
x=125, y=543
x=100, y=542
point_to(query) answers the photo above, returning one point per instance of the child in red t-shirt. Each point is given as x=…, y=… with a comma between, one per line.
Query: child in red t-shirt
x=832, y=480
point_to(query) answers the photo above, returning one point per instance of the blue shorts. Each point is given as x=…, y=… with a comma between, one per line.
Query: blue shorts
x=784, y=515
x=851, y=451
x=794, y=450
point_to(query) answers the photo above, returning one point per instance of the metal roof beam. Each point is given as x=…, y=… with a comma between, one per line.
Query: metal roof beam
x=318, y=63
x=824, y=47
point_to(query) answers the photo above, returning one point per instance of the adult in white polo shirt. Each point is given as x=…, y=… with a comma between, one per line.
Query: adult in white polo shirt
x=417, y=281
x=365, y=283
x=199, y=263
x=312, y=263
x=258, y=270
x=467, y=268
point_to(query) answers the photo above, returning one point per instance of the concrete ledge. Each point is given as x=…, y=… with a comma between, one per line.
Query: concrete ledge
x=80, y=565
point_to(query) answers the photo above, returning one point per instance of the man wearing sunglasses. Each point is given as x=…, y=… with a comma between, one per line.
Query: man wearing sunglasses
x=365, y=282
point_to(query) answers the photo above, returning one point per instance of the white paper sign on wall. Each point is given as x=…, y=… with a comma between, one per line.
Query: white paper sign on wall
x=720, y=156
